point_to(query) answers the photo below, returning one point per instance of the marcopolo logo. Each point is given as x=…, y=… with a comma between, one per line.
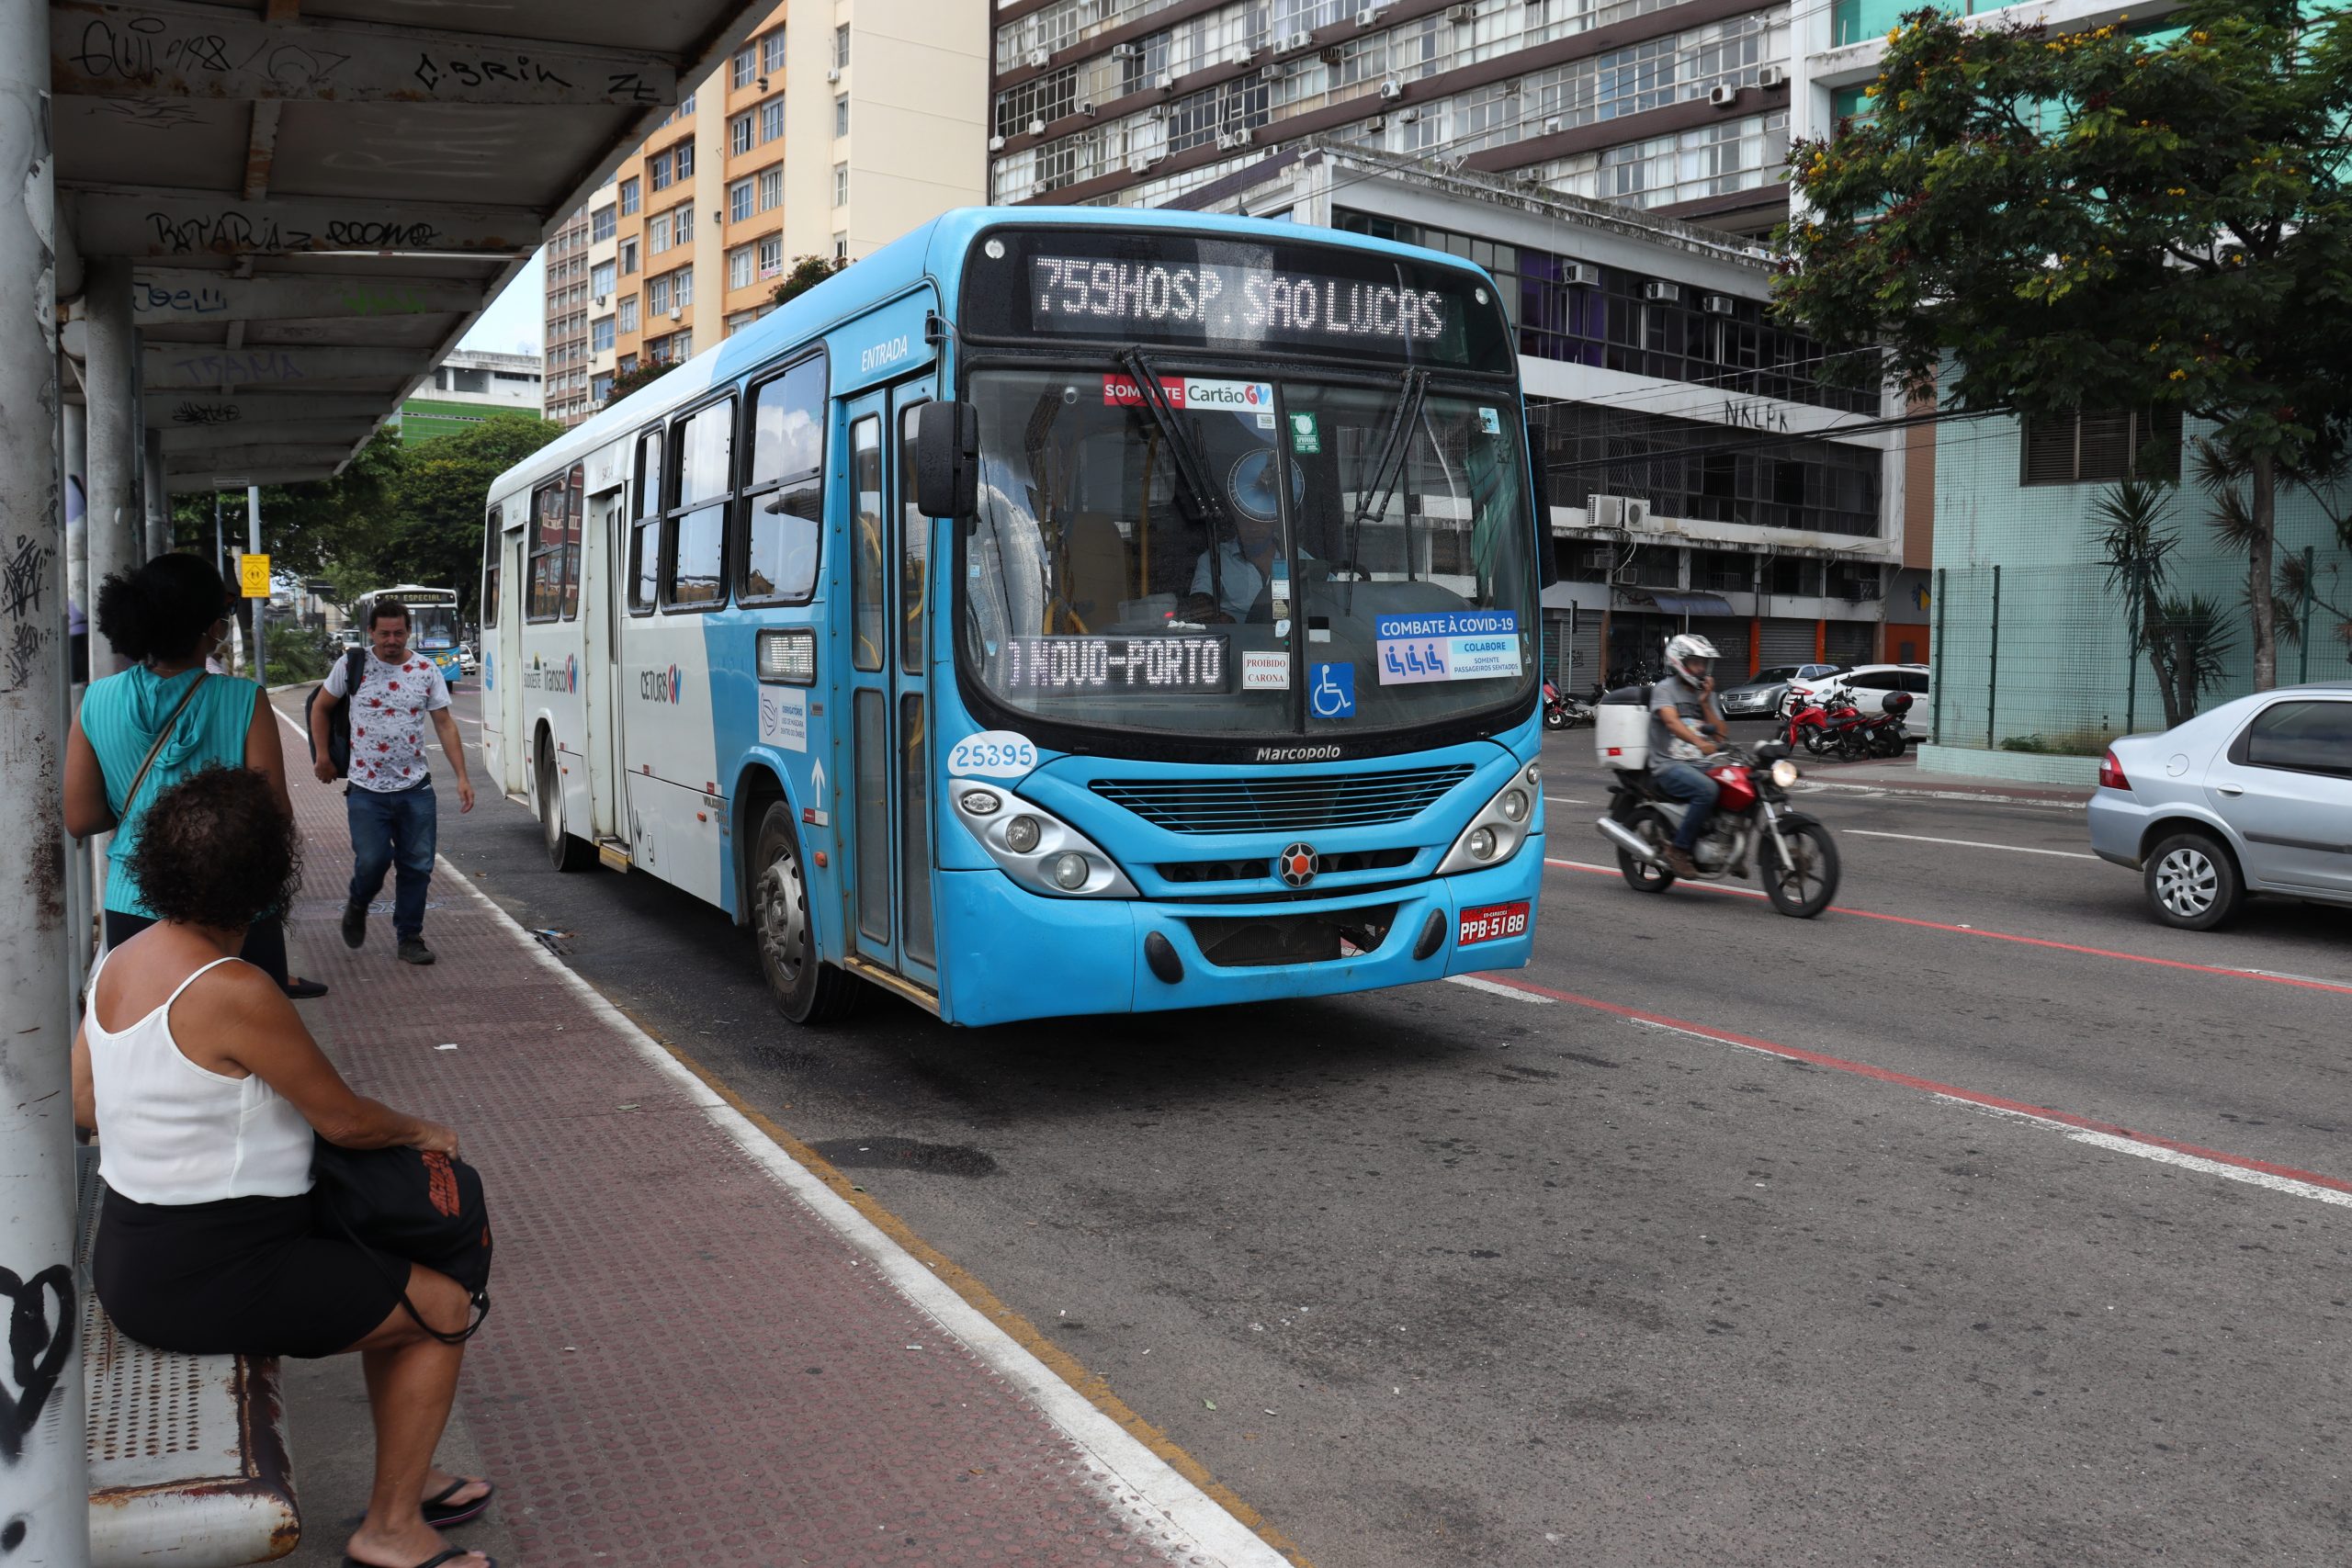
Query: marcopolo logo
x=661, y=685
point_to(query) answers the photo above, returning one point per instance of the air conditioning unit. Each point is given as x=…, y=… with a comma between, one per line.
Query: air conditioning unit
x=1604, y=512
x=1410, y=116
x=1580, y=274
x=1391, y=90
x=1126, y=52
x=1717, y=304
x=1335, y=53
x=1722, y=95
x=1770, y=76
x=996, y=143
x=833, y=73
x=1139, y=162
x=600, y=298
x=1239, y=54
x=1376, y=124
x=1037, y=57
x=1554, y=126
x=1086, y=107
x=677, y=313
x=1241, y=137
x=1274, y=73
x=1662, y=293
x=1364, y=19
x=1036, y=127
x=1295, y=43
x=1636, y=513
x=1462, y=15
x=1165, y=81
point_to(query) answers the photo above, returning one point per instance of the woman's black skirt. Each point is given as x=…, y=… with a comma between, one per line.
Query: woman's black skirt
x=243, y=1275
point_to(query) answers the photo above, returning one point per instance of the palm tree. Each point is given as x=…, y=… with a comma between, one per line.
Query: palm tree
x=2136, y=546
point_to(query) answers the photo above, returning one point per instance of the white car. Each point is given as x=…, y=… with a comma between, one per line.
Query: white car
x=1867, y=685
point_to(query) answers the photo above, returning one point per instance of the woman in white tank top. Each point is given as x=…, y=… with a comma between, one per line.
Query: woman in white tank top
x=206, y=1093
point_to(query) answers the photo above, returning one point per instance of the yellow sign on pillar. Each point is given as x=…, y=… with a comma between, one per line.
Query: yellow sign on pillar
x=253, y=575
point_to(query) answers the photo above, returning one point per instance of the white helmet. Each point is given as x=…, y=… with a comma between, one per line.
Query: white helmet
x=1689, y=657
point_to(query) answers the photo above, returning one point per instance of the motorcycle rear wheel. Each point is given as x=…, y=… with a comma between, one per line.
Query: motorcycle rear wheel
x=1803, y=890
x=1646, y=876
x=1813, y=736
x=1554, y=719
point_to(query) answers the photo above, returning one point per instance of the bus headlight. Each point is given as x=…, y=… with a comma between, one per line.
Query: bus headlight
x=1038, y=849
x=1499, y=828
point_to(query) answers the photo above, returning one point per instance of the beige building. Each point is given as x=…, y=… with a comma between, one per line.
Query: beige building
x=835, y=128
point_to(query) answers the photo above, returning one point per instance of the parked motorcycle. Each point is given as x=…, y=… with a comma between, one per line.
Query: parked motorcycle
x=1562, y=711
x=1830, y=724
x=1792, y=852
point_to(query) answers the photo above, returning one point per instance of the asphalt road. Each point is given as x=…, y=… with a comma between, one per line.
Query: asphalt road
x=1454, y=1275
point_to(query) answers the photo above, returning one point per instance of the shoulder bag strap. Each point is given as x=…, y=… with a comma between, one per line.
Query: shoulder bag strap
x=163, y=735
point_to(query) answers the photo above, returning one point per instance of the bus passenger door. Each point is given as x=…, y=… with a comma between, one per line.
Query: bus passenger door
x=600, y=647
x=887, y=837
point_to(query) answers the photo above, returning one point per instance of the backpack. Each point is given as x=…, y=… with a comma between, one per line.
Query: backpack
x=339, y=715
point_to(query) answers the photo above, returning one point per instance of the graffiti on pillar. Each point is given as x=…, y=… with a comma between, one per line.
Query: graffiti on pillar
x=480, y=72
x=24, y=576
x=207, y=413
x=203, y=300
x=229, y=232
x=40, y=1338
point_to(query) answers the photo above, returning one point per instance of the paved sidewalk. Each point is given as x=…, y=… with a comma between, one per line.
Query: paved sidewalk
x=700, y=1353
x=1902, y=776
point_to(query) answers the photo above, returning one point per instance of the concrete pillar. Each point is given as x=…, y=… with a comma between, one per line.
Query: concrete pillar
x=118, y=523
x=44, y=1486
x=159, y=500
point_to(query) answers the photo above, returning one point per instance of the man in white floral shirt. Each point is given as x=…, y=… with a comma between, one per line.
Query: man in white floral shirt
x=390, y=798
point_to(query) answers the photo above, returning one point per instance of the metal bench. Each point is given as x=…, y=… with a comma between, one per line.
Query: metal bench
x=188, y=1453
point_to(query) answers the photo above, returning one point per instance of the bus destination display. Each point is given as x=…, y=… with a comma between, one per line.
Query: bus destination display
x=1222, y=302
x=1113, y=664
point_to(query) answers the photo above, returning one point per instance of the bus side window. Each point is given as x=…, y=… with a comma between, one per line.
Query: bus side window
x=914, y=548
x=645, y=526
x=704, y=453
x=546, y=553
x=492, y=537
x=574, y=500
x=783, y=489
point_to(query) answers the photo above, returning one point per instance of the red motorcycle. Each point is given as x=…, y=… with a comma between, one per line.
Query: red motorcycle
x=1831, y=723
x=1794, y=853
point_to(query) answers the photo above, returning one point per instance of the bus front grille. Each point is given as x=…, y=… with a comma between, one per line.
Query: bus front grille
x=1264, y=870
x=1284, y=805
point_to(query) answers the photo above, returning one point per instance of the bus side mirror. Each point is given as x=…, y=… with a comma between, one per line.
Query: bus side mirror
x=947, y=460
x=1547, y=552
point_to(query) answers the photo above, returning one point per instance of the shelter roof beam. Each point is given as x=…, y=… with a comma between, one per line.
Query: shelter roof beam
x=134, y=220
x=190, y=296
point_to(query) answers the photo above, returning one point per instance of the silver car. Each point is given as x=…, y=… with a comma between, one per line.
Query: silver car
x=2254, y=796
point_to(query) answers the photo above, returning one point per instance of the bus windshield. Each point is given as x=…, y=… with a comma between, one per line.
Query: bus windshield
x=1311, y=555
x=433, y=625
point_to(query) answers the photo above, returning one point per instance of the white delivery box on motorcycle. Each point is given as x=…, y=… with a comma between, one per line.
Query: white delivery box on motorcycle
x=1621, y=728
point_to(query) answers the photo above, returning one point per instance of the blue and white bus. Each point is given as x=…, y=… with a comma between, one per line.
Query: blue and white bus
x=433, y=628
x=1058, y=611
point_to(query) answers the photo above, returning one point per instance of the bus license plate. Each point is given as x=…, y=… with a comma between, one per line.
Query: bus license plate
x=1492, y=922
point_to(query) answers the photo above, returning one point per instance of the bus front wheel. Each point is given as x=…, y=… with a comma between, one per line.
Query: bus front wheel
x=566, y=851
x=806, y=990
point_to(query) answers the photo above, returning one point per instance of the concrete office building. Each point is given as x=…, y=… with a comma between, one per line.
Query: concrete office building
x=466, y=387
x=836, y=128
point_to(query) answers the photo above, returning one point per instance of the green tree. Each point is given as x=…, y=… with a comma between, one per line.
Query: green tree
x=805, y=274
x=430, y=529
x=645, y=374
x=2047, y=223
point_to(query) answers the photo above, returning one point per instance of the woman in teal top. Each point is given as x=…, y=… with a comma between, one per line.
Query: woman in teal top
x=167, y=617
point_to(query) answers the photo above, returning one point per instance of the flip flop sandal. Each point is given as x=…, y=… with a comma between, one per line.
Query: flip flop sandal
x=303, y=991
x=449, y=1556
x=441, y=1514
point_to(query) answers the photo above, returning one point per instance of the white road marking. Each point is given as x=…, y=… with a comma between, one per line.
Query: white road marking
x=1967, y=843
x=2162, y=1156
x=1564, y=800
x=1157, y=1502
x=1491, y=988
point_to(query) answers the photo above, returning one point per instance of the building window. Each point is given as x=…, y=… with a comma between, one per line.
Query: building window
x=600, y=334
x=661, y=172
x=772, y=188
x=685, y=156
x=739, y=200
x=738, y=268
x=600, y=387
x=656, y=233
x=739, y=134
x=2100, y=448
x=1686, y=468
x=600, y=223
x=628, y=195
x=840, y=185
x=772, y=54
x=841, y=46
x=682, y=346
x=841, y=247
x=684, y=226
x=657, y=295
x=772, y=255
x=628, y=362
x=629, y=258
x=600, y=278
x=772, y=119
x=746, y=66
x=628, y=313
x=739, y=319
x=841, y=115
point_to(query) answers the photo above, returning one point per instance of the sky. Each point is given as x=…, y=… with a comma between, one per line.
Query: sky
x=512, y=322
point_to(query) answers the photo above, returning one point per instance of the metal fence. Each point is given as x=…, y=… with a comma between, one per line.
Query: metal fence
x=2061, y=659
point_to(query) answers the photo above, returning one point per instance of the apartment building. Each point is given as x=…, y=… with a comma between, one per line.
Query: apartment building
x=468, y=387
x=835, y=128
x=1677, y=107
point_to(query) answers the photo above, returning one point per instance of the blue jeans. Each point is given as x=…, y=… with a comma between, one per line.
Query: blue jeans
x=393, y=832
x=1681, y=780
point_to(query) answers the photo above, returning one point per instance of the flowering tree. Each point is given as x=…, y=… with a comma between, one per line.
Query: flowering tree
x=2050, y=222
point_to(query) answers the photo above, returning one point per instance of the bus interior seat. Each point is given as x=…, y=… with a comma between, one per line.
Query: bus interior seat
x=1096, y=572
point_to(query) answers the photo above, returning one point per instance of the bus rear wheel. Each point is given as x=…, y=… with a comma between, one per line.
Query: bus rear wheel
x=806, y=990
x=566, y=851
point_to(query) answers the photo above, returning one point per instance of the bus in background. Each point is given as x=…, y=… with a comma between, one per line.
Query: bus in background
x=433, y=629
x=1058, y=611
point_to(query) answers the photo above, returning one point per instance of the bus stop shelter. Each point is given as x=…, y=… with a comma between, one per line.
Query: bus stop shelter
x=234, y=237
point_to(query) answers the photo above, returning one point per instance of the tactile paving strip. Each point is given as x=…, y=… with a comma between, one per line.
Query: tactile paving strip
x=683, y=1364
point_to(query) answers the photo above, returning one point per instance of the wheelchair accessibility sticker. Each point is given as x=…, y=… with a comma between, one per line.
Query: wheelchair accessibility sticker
x=1332, y=690
x=1451, y=644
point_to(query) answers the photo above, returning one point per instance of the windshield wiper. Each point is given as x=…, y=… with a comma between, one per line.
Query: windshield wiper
x=1388, y=470
x=1192, y=468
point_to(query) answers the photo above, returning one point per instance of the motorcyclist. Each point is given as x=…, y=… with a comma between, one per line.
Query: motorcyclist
x=1679, y=704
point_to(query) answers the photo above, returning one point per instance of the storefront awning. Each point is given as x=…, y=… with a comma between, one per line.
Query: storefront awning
x=1683, y=604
